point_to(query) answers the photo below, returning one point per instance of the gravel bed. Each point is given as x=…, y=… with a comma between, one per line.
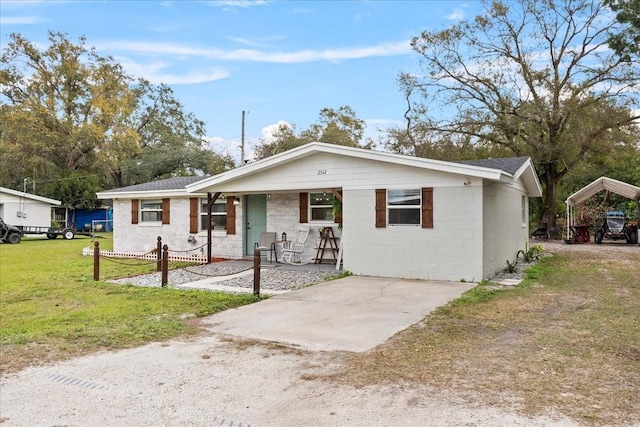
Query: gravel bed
x=274, y=278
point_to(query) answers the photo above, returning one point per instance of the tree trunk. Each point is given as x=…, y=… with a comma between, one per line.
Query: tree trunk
x=551, y=179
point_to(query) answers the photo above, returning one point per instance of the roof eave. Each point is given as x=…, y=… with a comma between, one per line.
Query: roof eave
x=317, y=147
x=31, y=196
x=527, y=173
x=148, y=194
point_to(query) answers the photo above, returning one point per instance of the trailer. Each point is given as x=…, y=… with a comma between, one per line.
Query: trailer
x=50, y=232
x=15, y=233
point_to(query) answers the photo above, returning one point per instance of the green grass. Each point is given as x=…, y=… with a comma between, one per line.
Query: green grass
x=51, y=307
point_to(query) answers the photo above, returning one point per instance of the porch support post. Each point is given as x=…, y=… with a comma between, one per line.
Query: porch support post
x=210, y=201
x=567, y=224
x=336, y=194
x=256, y=272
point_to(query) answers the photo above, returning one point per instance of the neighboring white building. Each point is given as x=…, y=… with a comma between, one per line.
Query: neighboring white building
x=402, y=216
x=19, y=208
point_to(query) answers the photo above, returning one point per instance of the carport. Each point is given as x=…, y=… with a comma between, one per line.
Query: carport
x=603, y=183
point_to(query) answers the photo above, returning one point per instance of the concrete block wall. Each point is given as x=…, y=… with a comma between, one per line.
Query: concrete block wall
x=452, y=250
x=283, y=216
x=506, y=232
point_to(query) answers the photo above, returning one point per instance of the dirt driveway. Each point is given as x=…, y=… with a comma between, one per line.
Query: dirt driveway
x=217, y=381
x=224, y=380
x=608, y=249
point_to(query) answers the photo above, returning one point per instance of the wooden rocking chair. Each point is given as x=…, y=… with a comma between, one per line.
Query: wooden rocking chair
x=292, y=249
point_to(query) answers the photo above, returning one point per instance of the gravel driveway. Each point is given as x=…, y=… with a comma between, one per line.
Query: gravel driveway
x=272, y=277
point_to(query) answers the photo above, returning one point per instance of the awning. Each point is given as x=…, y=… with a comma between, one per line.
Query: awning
x=622, y=188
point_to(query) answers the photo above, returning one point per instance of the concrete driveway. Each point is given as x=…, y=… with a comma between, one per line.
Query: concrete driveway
x=208, y=380
x=354, y=313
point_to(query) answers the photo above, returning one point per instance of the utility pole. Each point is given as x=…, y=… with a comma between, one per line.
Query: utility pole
x=242, y=142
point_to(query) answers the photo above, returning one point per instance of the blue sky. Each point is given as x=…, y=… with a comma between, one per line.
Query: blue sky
x=277, y=60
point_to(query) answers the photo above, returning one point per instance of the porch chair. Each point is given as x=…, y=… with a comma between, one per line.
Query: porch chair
x=292, y=249
x=267, y=243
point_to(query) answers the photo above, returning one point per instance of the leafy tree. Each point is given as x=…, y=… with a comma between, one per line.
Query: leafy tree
x=533, y=77
x=61, y=103
x=66, y=111
x=76, y=192
x=167, y=142
x=340, y=127
x=283, y=139
x=626, y=41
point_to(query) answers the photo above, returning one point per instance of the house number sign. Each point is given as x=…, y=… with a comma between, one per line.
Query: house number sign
x=322, y=171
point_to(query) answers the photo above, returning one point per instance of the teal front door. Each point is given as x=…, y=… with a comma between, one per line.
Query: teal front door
x=256, y=208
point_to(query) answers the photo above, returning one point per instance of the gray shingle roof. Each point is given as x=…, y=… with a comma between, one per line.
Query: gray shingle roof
x=175, y=183
x=508, y=164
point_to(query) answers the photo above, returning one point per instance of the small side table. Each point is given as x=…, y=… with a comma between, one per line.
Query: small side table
x=580, y=233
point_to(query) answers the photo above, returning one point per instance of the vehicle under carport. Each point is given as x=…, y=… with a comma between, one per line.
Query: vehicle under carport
x=629, y=231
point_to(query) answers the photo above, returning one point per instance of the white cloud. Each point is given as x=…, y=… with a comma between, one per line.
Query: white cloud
x=456, y=15
x=360, y=16
x=20, y=20
x=154, y=73
x=247, y=42
x=383, y=49
x=237, y=3
x=269, y=130
x=227, y=147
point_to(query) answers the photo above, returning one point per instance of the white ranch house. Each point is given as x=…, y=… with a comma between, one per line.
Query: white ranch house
x=402, y=216
x=24, y=209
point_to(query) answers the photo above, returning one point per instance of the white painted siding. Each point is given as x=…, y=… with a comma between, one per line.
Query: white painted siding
x=32, y=212
x=324, y=170
x=505, y=232
x=451, y=250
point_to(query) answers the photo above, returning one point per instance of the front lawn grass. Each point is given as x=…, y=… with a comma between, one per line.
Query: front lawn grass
x=51, y=308
x=566, y=341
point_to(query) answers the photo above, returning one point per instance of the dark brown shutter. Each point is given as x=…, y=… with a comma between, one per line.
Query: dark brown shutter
x=427, y=208
x=231, y=215
x=381, y=207
x=166, y=211
x=134, y=211
x=193, y=214
x=304, y=208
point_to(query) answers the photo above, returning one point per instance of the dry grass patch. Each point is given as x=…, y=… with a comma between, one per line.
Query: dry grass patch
x=566, y=341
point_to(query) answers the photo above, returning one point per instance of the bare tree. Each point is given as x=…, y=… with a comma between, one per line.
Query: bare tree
x=533, y=76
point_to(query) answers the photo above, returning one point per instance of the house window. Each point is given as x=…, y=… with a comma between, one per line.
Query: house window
x=403, y=207
x=321, y=206
x=151, y=210
x=218, y=215
x=523, y=210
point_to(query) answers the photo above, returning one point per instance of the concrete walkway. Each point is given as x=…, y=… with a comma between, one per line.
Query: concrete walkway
x=354, y=313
